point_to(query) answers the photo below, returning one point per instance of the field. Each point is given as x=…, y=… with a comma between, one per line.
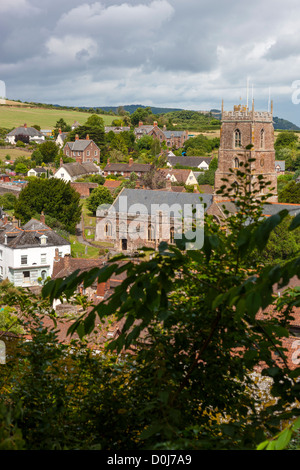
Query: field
x=13, y=153
x=14, y=116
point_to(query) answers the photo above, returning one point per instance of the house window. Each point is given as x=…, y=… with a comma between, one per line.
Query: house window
x=23, y=259
x=96, y=153
x=26, y=275
x=237, y=138
x=43, y=258
x=1, y=254
x=87, y=153
x=67, y=152
x=1, y=272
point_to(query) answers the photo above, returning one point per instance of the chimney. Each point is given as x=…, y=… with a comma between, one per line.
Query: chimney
x=56, y=257
x=25, y=125
x=76, y=137
x=130, y=161
x=108, y=161
x=155, y=123
x=67, y=258
x=140, y=123
x=42, y=217
x=168, y=185
x=61, y=162
x=59, y=130
x=15, y=222
x=87, y=137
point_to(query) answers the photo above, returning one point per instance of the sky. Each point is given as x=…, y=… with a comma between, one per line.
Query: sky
x=189, y=54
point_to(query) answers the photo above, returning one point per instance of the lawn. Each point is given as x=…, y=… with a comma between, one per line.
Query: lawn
x=11, y=117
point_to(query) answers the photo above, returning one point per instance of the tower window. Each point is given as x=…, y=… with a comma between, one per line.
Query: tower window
x=237, y=138
x=236, y=163
x=262, y=139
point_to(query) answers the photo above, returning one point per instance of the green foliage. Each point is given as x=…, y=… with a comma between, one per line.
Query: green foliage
x=49, y=151
x=290, y=193
x=8, y=201
x=52, y=196
x=286, y=139
x=94, y=127
x=190, y=321
x=208, y=176
x=98, y=196
x=201, y=145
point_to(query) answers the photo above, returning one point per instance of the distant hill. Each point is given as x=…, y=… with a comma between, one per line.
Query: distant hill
x=133, y=107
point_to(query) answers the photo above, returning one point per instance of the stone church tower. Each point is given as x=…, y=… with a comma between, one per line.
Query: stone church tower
x=247, y=134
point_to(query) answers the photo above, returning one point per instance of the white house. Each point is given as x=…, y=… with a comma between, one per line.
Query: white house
x=72, y=171
x=29, y=133
x=200, y=163
x=27, y=253
x=37, y=172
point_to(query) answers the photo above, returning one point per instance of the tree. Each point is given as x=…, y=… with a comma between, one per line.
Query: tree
x=290, y=193
x=208, y=176
x=191, y=321
x=286, y=139
x=52, y=196
x=94, y=127
x=98, y=196
x=49, y=151
x=21, y=168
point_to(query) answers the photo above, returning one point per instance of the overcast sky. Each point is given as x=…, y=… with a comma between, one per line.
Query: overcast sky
x=187, y=54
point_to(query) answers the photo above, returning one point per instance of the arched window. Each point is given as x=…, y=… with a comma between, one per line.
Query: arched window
x=236, y=163
x=262, y=139
x=151, y=232
x=108, y=229
x=172, y=235
x=237, y=138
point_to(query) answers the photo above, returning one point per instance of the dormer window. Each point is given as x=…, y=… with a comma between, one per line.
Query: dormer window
x=43, y=240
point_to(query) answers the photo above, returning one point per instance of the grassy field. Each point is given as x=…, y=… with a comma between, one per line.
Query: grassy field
x=13, y=153
x=12, y=116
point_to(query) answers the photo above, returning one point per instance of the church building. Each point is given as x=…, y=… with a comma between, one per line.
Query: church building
x=246, y=134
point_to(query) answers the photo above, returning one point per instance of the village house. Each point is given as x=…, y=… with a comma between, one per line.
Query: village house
x=181, y=176
x=172, y=139
x=126, y=169
x=38, y=172
x=200, y=163
x=82, y=150
x=27, y=252
x=25, y=134
x=61, y=137
x=72, y=171
x=116, y=129
x=280, y=167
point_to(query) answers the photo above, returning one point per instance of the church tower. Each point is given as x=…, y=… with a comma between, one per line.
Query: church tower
x=247, y=134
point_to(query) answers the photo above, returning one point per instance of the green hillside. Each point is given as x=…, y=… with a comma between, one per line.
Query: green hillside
x=46, y=118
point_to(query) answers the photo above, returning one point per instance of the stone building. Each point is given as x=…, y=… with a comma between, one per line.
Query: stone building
x=82, y=150
x=247, y=134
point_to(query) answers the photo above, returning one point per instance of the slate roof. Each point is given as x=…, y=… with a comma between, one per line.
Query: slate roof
x=24, y=130
x=79, y=145
x=134, y=167
x=29, y=235
x=268, y=209
x=193, y=162
x=147, y=198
